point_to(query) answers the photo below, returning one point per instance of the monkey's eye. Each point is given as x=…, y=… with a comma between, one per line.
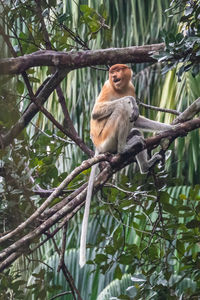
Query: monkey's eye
x=115, y=71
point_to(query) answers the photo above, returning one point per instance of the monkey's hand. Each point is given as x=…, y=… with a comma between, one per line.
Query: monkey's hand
x=135, y=109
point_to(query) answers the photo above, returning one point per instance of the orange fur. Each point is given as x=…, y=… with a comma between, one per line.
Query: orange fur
x=119, y=85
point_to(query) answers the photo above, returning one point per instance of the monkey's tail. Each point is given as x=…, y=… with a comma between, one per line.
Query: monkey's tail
x=82, y=259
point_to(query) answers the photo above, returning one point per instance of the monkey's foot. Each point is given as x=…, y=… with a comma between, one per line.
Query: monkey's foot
x=135, y=140
x=144, y=168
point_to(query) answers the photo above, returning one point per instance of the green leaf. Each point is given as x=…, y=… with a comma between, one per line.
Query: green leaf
x=188, y=10
x=180, y=247
x=153, y=252
x=33, y=79
x=39, y=275
x=138, y=279
x=198, y=53
x=170, y=209
x=125, y=259
x=20, y=87
x=62, y=18
x=132, y=291
x=100, y=258
x=164, y=197
x=110, y=250
x=118, y=272
x=122, y=297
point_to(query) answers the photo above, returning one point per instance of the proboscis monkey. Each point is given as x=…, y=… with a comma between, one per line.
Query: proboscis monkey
x=114, y=114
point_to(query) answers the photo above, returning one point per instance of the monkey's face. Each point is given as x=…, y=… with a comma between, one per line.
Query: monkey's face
x=119, y=78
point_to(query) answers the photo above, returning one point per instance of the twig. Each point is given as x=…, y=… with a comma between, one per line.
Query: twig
x=61, y=294
x=70, y=130
x=79, y=59
x=166, y=110
x=62, y=252
x=49, y=87
x=74, y=204
x=67, y=274
x=40, y=261
x=60, y=225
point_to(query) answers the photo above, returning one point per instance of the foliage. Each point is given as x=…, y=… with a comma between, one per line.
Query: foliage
x=143, y=239
x=154, y=239
x=183, y=48
x=11, y=286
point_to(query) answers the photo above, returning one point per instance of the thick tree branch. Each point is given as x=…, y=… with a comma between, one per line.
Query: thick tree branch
x=79, y=59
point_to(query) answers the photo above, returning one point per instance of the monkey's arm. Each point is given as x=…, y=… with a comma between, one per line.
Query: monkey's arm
x=105, y=109
x=102, y=110
x=150, y=125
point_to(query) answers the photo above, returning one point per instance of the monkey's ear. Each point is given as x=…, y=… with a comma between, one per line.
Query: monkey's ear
x=131, y=73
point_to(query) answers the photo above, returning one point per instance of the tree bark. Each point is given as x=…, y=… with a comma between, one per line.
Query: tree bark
x=79, y=59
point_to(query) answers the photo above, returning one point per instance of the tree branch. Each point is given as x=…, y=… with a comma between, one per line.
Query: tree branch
x=166, y=110
x=79, y=59
x=189, y=113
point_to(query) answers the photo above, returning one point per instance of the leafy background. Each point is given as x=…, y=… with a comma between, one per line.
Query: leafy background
x=143, y=232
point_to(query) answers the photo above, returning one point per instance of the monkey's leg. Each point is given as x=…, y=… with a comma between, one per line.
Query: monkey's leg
x=134, y=138
x=150, y=125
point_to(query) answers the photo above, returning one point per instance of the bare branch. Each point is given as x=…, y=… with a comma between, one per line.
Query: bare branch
x=189, y=113
x=166, y=110
x=79, y=59
x=60, y=294
x=63, y=248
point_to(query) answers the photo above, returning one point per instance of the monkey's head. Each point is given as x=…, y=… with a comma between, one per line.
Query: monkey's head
x=119, y=77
